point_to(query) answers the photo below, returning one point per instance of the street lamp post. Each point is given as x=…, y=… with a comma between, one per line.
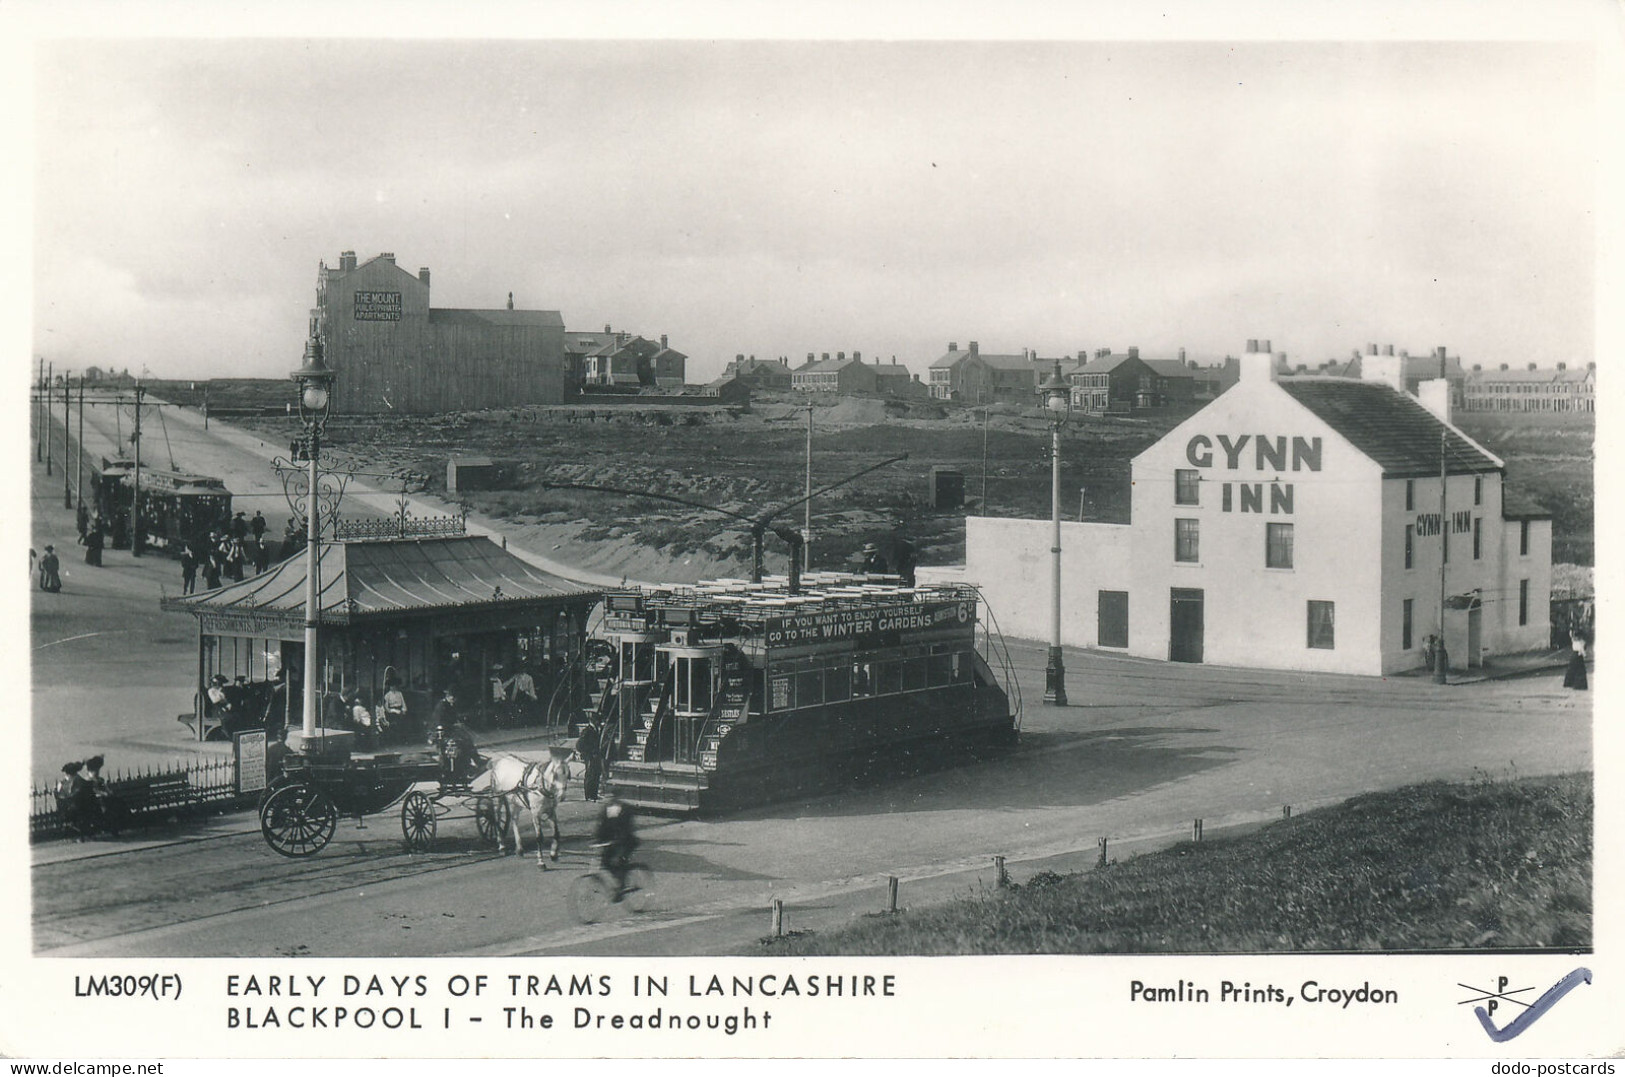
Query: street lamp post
x=1057, y=397
x=315, y=382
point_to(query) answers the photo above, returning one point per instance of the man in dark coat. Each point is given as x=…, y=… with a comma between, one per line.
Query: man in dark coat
x=590, y=748
x=257, y=525
x=93, y=544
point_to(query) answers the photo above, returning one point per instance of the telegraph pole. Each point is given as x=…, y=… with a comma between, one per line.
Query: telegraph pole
x=1441, y=660
x=39, y=450
x=135, y=493
x=806, y=527
x=67, y=490
x=45, y=413
x=79, y=468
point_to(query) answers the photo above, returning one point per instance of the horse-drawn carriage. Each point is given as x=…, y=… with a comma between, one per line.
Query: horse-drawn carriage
x=300, y=809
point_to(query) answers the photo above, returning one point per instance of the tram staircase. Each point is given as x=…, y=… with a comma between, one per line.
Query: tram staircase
x=666, y=784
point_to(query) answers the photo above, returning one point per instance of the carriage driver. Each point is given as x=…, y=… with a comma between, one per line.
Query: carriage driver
x=459, y=758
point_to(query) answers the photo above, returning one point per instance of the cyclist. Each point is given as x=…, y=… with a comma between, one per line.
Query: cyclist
x=617, y=838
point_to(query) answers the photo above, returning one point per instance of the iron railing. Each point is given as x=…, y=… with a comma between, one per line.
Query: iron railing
x=210, y=785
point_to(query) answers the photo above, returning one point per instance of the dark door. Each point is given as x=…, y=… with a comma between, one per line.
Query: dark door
x=1111, y=629
x=1185, y=625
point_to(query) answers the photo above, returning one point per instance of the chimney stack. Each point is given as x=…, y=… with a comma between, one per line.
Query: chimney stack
x=423, y=275
x=347, y=260
x=1257, y=363
x=857, y=357
x=1371, y=349
x=1387, y=349
x=1532, y=367
x=1562, y=366
x=1133, y=352
x=1434, y=395
x=1387, y=368
x=973, y=349
x=1182, y=356
x=953, y=345
x=663, y=344
x=388, y=256
x=606, y=329
x=1503, y=366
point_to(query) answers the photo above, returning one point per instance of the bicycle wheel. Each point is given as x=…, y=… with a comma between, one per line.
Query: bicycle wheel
x=640, y=882
x=590, y=898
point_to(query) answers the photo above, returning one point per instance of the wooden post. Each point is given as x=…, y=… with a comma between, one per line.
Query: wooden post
x=1100, y=861
x=891, y=893
x=1002, y=877
x=1196, y=830
x=1286, y=811
x=778, y=917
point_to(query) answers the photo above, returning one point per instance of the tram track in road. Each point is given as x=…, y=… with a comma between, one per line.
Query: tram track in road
x=225, y=876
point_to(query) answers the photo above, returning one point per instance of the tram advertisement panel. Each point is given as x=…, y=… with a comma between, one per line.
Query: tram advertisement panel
x=869, y=626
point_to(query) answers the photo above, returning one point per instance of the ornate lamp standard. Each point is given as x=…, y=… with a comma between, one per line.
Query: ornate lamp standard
x=315, y=382
x=1057, y=397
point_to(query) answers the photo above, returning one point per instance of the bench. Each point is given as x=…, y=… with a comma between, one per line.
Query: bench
x=149, y=793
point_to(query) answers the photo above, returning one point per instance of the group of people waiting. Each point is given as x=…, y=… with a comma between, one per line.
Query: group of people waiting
x=84, y=800
x=225, y=552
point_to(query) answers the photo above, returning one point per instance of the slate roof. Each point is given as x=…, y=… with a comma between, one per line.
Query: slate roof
x=388, y=577
x=1391, y=427
x=461, y=316
x=1170, y=368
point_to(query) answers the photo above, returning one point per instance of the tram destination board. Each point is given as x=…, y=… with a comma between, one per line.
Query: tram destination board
x=868, y=625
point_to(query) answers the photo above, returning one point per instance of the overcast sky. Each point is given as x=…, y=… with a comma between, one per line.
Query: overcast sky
x=780, y=198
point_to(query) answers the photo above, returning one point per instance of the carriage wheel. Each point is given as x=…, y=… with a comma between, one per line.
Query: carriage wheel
x=493, y=817
x=418, y=822
x=298, y=820
x=590, y=898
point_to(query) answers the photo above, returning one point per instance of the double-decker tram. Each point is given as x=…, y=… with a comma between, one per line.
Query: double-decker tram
x=175, y=505
x=729, y=693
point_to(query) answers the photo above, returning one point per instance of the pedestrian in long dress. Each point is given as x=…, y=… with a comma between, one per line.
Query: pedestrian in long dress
x=93, y=545
x=50, y=571
x=1575, y=676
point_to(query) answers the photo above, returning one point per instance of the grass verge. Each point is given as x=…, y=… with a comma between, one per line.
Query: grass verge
x=1484, y=864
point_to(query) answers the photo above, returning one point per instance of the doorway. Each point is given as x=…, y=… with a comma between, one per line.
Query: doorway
x=1185, y=625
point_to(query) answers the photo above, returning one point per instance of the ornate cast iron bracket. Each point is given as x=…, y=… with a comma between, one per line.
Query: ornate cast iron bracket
x=331, y=483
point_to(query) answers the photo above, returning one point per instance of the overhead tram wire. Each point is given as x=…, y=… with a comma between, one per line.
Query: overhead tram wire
x=759, y=523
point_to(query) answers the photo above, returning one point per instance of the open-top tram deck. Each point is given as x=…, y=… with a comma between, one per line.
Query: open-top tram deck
x=729, y=693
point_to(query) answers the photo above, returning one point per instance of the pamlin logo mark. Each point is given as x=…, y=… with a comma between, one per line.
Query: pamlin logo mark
x=1532, y=1010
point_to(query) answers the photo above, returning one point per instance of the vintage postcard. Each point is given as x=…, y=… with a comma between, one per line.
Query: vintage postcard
x=919, y=536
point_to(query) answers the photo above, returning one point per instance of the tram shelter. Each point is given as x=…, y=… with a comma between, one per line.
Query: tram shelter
x=455, y=612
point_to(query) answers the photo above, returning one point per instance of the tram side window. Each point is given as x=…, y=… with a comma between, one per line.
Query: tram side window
x=940, y=669
x=913, y=673
x=888, y=678
x=809, y=686
x=838, y=683
x=863, y=679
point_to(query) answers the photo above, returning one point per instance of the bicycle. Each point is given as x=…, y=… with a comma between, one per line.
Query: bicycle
x=595, y=893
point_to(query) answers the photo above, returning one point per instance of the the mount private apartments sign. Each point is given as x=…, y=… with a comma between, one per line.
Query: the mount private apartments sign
x=377, y=306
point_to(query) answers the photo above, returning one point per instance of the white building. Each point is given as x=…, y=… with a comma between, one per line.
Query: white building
x=1293, y=523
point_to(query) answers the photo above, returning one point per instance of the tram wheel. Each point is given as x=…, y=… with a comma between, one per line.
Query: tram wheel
x=590, y=897
x=418, y=822
x=492, y=816
x=298, y=820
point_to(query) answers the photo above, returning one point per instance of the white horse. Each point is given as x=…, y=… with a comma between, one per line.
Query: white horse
x=536, y=786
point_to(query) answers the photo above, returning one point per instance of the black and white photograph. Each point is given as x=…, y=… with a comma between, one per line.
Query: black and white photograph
x=687, y=539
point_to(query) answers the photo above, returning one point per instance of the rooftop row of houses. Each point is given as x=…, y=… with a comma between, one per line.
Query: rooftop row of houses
x=1110, y=381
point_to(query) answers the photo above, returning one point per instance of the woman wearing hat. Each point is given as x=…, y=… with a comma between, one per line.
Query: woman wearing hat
x=50, y=568
x=70, y=794
x=217, y=704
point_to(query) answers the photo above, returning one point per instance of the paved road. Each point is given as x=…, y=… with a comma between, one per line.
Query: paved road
x=1144, y=748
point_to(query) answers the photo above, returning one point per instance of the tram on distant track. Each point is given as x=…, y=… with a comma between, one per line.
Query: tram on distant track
x=175, y=505
x=730, y=693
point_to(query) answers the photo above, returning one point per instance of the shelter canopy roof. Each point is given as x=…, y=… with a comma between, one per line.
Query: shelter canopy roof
x=393, y=577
